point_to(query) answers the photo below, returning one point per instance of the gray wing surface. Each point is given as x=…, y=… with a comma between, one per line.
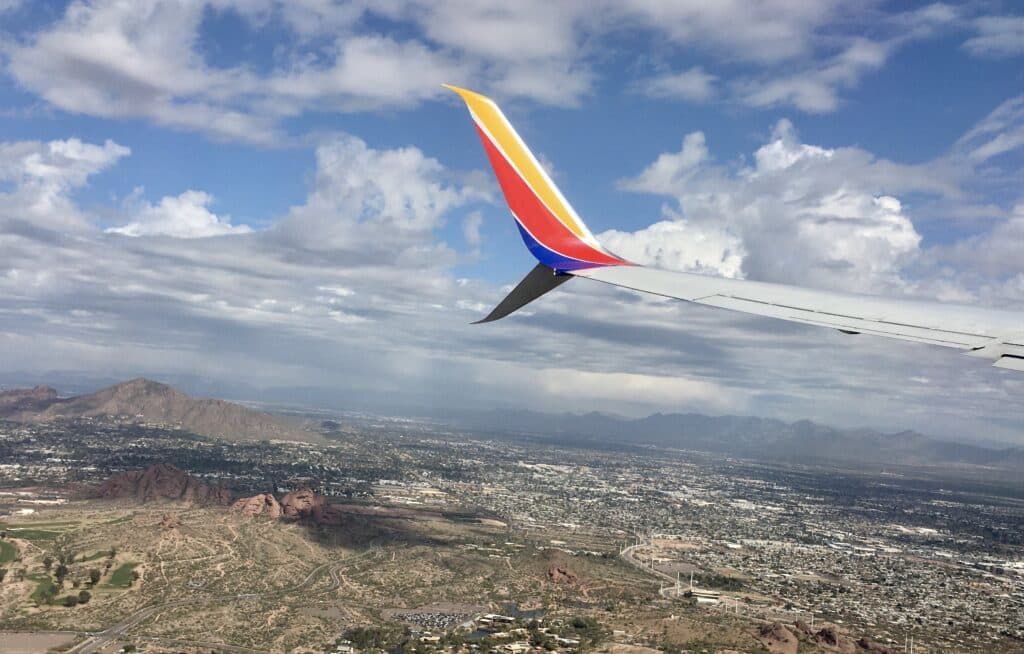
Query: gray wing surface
x=992, y=334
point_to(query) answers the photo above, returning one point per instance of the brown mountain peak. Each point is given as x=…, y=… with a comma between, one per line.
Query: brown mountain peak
x=145, y=400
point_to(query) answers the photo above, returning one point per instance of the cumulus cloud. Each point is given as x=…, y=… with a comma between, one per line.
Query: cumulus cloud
x=380, y=203
x=183, y=216
x=680, y=245
x=44, y=173
x=800, y=214
x=671, y=169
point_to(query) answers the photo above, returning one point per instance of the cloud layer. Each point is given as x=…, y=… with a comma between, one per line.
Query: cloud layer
x=361, y=285
x=160, y=60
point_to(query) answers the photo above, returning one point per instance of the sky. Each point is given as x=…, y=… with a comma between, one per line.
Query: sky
x=278, y=197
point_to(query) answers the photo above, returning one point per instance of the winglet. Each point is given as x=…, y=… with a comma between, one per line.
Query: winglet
x=551, y=229
x=539, y=281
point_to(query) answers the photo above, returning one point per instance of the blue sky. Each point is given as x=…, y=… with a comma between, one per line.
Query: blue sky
x=269, y=194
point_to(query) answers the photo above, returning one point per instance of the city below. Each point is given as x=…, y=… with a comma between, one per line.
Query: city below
x=393, y=534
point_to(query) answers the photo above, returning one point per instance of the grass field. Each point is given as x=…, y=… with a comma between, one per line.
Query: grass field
x=57, y=525
x=122, y=576
x=102, y=554
x=30, y=533
x=37, y=531
x=8, y=552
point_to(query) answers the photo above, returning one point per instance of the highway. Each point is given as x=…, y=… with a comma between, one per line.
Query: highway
x=628, y=556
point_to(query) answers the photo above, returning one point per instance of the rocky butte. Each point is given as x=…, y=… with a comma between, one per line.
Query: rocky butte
x=162, y=482
x=264, y=504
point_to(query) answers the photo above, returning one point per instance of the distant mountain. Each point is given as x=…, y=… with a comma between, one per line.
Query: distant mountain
x=159, y=482
x=26, y=399
x=141, y=400
x=745, y=436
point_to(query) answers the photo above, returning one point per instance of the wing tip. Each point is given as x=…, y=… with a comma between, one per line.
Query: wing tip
x=469, y=97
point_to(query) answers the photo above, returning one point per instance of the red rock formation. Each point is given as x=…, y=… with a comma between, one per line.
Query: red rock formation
x=263, y=504
x=169, y=521
x=162, y=481
x=777, y=638
x=803, y=628
x=828, y=636
x=561, y=575
x=303, y=504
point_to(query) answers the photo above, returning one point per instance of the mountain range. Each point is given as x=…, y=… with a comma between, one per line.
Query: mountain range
x=748, y=437
x=142, y=400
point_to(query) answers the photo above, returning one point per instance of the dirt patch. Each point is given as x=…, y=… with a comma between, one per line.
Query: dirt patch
x=33, y=643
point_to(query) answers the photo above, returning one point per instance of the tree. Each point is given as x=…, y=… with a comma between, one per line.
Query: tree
x=70, y=600
x=61, y=572
x=94, y=576
x=3, y=573
x=46, y=595
x=84, y=597
x=47, y=562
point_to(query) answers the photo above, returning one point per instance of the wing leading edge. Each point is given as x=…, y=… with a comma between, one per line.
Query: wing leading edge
x=565, y=247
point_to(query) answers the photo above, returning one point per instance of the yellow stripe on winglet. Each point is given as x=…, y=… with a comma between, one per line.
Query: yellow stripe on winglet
x=487, y=112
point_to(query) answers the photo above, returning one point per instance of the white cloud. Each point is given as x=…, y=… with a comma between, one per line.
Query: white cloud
x=816, y=89
x=383, y=202
x=680, y=245
x=989, y=262
x=801, y=214
x=671, y=169
x=997, y=36
x=356, y=295
x=61, y=164
x=139, y=59
x=43, y=174
x=471, y=228
x=763, y=32
x=694, y=85
x=367, y=73
x=1000, y=132
x=184, y=216
x=639, y=391
x=145, y=59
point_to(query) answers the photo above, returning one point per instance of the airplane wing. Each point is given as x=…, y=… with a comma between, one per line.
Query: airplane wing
x=565, y=248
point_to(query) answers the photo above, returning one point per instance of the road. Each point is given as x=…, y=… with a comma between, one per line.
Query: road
x=627, y=556
x=96, y=642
